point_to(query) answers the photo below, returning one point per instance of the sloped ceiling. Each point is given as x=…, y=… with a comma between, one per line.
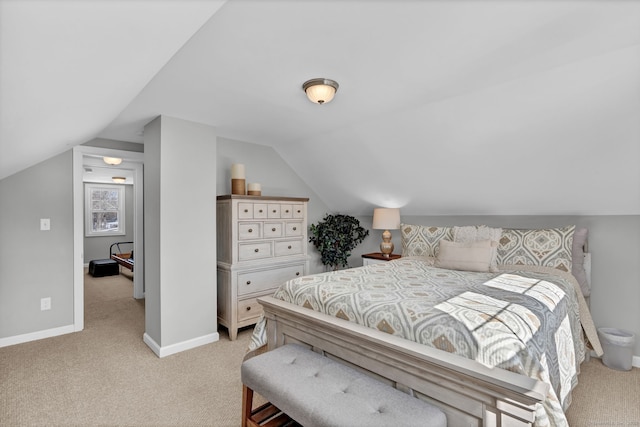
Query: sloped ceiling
x=456, y=107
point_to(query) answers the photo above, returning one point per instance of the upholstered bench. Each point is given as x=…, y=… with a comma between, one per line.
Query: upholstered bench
x=103, y=267
x=314, y=390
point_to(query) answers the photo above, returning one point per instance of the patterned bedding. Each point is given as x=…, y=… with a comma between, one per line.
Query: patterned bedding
x=523, y=321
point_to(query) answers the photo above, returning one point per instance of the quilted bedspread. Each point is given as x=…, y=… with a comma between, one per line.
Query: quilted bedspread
x=523, y=321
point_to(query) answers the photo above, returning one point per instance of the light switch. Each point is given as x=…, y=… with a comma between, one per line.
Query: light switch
x=45, y=224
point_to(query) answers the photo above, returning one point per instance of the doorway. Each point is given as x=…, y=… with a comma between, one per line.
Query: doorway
x=84, y=156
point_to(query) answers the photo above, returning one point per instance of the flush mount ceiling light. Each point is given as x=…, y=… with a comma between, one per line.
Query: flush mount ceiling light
x=320, y=91
x=112, y=160
x=119, y=179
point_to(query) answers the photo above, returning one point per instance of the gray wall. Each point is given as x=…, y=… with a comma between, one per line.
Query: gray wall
x=36, y=264
x=180, y=231
x=97, y=247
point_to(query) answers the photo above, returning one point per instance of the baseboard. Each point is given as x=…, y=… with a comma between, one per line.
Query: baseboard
x=33, y=336
x=179, y=347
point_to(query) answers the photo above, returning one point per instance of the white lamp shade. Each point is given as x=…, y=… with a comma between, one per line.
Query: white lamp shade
x=386, y=218
x=237, y=171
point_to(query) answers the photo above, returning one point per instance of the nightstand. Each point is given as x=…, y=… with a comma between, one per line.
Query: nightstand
x=377, y=257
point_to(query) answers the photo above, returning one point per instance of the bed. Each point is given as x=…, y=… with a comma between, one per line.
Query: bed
x=488, y=324
x=123, y=258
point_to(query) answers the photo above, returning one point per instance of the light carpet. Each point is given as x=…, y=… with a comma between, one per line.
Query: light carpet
x=106, y=376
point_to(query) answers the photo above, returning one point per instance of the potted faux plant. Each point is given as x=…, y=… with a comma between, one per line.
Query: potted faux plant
x=335, y=236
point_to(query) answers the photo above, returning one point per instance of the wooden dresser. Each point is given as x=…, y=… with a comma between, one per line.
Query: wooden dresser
x=262, y=242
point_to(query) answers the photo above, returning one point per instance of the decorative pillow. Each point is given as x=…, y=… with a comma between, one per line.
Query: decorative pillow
x=468, y=256
x=577, y=259
x=420, y=240
x=550, y=247
x=482, y=232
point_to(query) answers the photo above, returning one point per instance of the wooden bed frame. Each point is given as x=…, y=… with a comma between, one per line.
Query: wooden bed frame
x=470, y=393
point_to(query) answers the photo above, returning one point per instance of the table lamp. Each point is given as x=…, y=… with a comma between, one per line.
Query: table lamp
x=386, y=219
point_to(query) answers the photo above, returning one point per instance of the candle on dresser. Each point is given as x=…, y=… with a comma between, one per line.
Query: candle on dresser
x=237, y=179
x=254, y=189
x=237, y=171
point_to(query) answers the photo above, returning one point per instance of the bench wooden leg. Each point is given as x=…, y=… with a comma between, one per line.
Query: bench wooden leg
x=247, y=403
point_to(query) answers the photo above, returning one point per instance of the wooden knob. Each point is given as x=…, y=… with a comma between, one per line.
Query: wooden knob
x=248, y=308
x=289, y=246
x=251, y=230
x=248, y=282
x=246, y=210
x=274, y=211
x=257, y=250
x=297, y=273
x=295, y=228
x=260, y=211
x=287, y=211
x=273, y=229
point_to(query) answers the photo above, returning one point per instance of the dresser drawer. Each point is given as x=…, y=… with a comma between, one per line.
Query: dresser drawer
x=260, y=210
x=248, y=309
x=298, y=211
x=272, y=229
x=259, y=281
x=286, y=211
x=249, y=230
x=249, y=251
x=293, y=229
x=273, y=210
x=288, y=247
x=245, y=210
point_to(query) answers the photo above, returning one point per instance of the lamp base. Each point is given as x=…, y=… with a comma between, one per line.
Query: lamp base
x=386, y=247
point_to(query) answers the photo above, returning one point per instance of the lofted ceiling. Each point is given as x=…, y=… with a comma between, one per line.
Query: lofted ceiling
x=444, y=107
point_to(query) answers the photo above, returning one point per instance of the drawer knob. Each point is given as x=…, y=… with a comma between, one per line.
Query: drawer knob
x=248, y=282
x=251, y=230
x=257, y=250
x=295, y=228
x=297, y=273
x=273, y=229
x=287, y=211
x=246, y=210
x=248, y=308
x=289, y=247
x=274, y=211
x=299, y=211
x=260, y=211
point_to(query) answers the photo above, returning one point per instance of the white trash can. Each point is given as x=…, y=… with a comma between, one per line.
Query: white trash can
x=618, y=348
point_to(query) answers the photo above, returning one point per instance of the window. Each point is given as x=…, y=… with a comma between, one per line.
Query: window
x=104, y=210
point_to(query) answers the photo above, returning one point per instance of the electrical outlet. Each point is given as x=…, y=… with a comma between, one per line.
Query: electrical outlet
x=45, y=303
x=45, y=224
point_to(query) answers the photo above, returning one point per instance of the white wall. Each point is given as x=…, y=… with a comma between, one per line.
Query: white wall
x=180, y=233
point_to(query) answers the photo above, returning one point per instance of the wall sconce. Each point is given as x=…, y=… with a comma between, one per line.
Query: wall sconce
x=320, y=91
x=386, y=219
x=119, y=179
x=113, y=161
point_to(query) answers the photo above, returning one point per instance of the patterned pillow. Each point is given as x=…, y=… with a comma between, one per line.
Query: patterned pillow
x=420, y=240
x=549, y=247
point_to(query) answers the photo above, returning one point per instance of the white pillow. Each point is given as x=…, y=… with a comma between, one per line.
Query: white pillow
x=467, y=256
x=482, y=232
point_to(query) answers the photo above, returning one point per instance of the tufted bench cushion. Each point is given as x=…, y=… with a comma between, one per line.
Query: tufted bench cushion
x=316, y=391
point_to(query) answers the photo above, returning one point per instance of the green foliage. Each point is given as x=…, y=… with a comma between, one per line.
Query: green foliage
x=335, y=236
